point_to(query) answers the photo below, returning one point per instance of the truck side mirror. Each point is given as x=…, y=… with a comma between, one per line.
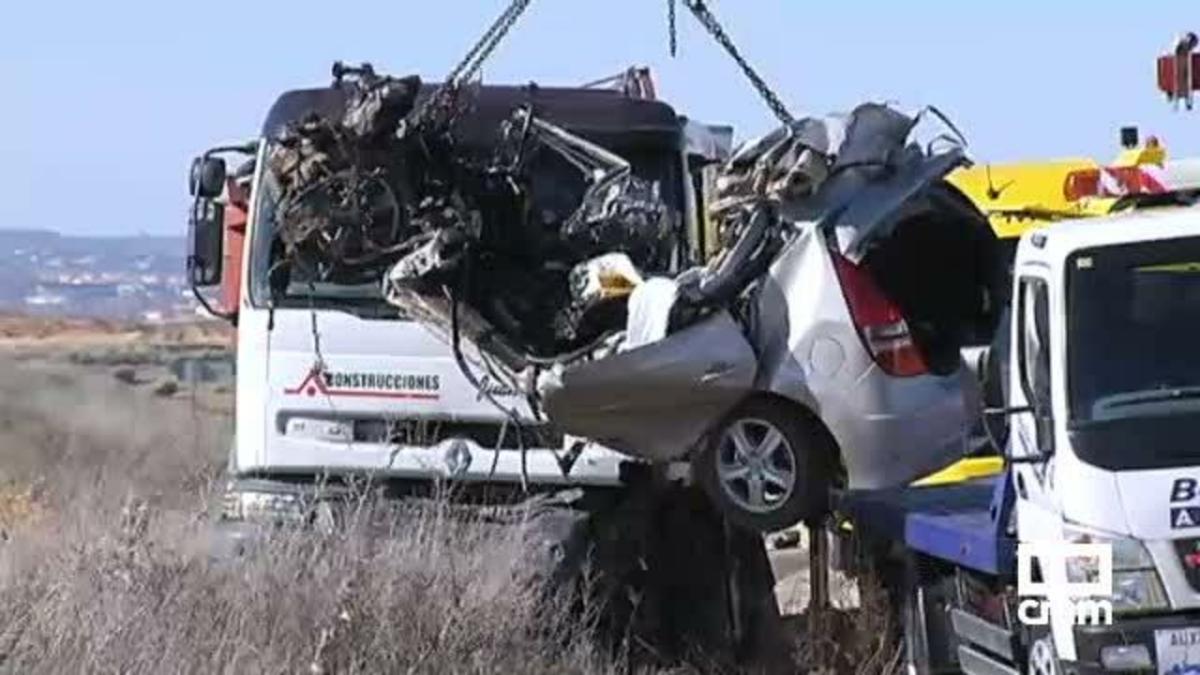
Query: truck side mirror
x=1043, y=427
x=207, y=177
x=206, y=238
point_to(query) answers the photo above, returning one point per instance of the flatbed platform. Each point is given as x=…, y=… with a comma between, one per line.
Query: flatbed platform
x=963, y=523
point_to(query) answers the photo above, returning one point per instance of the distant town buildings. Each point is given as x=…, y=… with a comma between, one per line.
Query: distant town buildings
x=131, y=278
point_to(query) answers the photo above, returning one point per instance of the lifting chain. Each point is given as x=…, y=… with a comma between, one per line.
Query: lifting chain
x=483, y=48
x=672, y=31
x=710, y=23
x=473, y=60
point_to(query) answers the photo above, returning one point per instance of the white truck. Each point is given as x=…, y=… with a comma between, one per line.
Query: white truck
x=1083, y=555
x=331, y=378
x=334, y=386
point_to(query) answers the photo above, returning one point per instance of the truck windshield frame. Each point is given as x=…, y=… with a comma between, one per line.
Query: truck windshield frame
x=1133, y=379
x=367, y=297
x=551, y=194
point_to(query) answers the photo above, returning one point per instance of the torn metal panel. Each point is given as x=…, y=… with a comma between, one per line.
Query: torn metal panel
x=511, y=188
x=872, y=209
x=655, y=401
x=849, y=173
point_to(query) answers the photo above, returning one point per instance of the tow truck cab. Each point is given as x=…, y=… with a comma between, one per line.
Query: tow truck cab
x=332, y=382
x=1022, y=197
x=1104, y=416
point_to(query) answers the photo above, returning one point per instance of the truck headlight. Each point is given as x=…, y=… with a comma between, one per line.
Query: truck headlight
x=1137, y=590
x=1136, y=586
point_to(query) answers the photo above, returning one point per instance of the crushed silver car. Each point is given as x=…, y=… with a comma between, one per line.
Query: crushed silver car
x=823, y=347
x=820, y=347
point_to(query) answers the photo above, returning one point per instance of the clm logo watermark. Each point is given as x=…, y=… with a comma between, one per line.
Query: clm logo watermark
x=1073, y=581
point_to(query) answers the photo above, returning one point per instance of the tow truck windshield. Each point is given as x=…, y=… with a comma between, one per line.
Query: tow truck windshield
x=1133, y=338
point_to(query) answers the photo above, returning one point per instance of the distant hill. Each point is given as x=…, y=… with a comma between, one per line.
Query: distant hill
x=118, y=277
x=69, y=244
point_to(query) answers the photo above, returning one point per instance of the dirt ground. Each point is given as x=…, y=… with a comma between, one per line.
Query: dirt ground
x=47, y=334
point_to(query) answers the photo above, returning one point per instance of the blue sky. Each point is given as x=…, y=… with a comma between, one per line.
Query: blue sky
x=105, y=102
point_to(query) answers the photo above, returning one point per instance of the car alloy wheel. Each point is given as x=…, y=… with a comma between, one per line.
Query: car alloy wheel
x=756, y=465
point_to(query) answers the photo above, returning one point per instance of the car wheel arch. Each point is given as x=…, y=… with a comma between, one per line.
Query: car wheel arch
x=834, y=464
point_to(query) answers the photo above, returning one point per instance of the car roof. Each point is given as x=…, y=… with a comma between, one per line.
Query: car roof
x=1053, y=244
x=601, y=115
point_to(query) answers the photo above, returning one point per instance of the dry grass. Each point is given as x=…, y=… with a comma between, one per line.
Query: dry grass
x=436, y=598
x=105, y=496
x=113, y=576
x=862, y=640
x=18, y=507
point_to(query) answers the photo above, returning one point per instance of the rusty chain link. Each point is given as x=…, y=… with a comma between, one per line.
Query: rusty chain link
x=672, y=30
x=473, y=60
x=706, y=18
x=491, y=38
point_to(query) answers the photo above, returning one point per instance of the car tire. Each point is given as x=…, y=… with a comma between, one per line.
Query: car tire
x=766, y=466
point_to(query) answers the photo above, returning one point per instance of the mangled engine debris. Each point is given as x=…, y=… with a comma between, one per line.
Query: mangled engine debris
x=345, y=185
x=532, y=286
x=492, y=220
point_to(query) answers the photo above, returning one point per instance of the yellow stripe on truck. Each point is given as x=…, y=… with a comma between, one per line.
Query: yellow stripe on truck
x=964, y=470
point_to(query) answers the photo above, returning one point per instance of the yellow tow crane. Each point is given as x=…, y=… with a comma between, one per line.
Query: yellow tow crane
x=1020, y=196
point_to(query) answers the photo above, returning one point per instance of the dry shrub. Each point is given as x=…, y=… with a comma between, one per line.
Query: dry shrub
x=77, y=436
x=115, y=576
x=434, y=595
x=859, y=640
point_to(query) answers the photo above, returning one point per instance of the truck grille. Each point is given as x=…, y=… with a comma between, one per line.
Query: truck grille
x=1189, y=557
x=424, y=433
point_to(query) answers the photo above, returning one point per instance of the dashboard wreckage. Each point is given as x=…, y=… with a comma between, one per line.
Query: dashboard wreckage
x=541, y=233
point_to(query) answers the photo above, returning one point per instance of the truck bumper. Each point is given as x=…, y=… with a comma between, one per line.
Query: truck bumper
x=256, y=510
x=229, y=539
x=1117, y=648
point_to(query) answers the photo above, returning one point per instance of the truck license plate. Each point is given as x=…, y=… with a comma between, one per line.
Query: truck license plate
x=1178, y=651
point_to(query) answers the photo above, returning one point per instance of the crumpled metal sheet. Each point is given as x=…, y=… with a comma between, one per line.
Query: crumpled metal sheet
x=343, y=181
x=848, y=172
x=475, y=197
x=655, y=401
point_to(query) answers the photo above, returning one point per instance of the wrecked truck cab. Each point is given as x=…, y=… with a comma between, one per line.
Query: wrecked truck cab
x=852, y=333
x=492, y=200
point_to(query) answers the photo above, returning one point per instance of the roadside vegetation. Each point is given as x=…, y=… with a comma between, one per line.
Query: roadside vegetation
x=107, y=494
x=105, y=498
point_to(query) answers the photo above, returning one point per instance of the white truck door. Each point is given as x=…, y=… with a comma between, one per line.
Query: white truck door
x=1030, y=436
x=1039, y=513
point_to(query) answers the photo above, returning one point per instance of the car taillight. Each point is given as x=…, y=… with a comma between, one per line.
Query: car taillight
x=879, y=321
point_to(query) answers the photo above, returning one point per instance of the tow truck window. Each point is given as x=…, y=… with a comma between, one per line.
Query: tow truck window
x=1034, y=329
x=1133, y=355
